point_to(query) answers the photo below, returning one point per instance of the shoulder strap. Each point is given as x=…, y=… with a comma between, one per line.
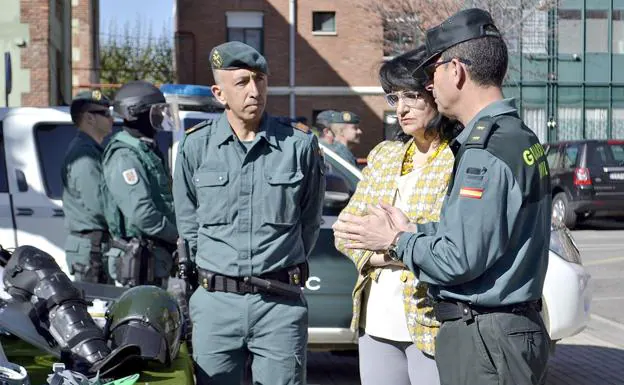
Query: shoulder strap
x=478, y=138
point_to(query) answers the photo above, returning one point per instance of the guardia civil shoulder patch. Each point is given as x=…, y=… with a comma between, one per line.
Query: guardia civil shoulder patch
x=471, y=192
x=130, y=176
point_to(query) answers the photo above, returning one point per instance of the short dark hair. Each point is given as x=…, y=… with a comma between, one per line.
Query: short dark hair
x=488, y=59
x=78, y=109
x=400, y=74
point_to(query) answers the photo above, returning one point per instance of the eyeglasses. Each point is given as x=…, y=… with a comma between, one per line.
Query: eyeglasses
x=106, y=113
x=410, y=98
x=431, y=68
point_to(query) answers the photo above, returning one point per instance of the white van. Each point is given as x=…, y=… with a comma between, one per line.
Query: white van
x=33, y=142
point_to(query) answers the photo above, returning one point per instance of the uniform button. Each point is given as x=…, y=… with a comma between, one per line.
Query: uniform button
x=196, y=179
x=465, y=311
x=220, y=178
x=269, y=178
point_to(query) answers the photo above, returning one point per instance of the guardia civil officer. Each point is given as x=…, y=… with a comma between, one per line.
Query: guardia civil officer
x=83, y=188
x=345, y=125
x=486, y=260
x=140, y=212
x=248, y=193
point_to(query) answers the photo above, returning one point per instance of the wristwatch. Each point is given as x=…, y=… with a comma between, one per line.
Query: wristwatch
x=392, y=249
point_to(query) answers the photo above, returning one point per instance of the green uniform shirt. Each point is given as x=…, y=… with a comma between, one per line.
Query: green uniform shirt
x=83, y=185
x=248, y=212
x=491, y=245
x=344, y=152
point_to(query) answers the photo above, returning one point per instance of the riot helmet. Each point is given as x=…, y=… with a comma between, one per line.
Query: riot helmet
x=147, y=316
x=140, y=99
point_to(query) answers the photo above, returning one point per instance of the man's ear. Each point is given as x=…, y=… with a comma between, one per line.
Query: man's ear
x=460, y=75
x=218, y=94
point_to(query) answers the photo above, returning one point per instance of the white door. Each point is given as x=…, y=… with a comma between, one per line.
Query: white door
x=36, y=141
x=7, y=230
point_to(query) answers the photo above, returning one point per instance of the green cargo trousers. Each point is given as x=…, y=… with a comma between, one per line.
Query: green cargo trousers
x=227, y=327
x=493, y=349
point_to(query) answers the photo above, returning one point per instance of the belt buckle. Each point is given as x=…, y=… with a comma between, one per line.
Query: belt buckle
x=466, y=312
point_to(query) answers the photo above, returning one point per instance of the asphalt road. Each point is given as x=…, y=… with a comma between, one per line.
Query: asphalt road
x=595, y=356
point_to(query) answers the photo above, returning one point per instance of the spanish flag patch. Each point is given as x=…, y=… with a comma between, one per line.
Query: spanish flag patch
x=471, y=192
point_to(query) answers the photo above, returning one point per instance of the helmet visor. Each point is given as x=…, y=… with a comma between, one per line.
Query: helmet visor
x=163, y=117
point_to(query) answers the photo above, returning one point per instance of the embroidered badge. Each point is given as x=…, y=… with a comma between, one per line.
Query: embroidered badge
x=346, y=117
x=130, y=176
x=96, y=95
x=471, y=192
x=217, y=61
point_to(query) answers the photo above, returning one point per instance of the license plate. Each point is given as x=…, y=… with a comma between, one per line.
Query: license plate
x=616, y=176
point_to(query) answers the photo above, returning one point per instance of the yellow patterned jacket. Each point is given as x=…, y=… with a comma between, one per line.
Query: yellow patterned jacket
x=379, y=183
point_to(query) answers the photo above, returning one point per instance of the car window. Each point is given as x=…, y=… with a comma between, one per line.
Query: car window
x=4, y=183
x=606, y=154
x=570, y=157
x=340, y=186
x=190, y=122
x=552, y=156
x=52, y=141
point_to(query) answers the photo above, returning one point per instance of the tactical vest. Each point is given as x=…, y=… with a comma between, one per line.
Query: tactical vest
x=159, y=183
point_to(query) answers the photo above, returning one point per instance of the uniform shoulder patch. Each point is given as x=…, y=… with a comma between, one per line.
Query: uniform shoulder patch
x=196, y=127
x=301, y=127
x=130, y=176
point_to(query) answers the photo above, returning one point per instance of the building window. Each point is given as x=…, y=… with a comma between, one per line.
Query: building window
x=534, y=31
x=597, y=31
x=324, y=22
x=246, y=27
x=596, y=123
x=535, y=119
x=569, y=123
x=618, y=31
x=617, y=123
x=570, y=37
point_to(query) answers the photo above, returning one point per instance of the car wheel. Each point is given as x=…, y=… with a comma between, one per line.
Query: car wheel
x=561, y=211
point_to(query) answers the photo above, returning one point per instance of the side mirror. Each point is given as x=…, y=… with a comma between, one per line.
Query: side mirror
x=335, y=199
x=337, y=194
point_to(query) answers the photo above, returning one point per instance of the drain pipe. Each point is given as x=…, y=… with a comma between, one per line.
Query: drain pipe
x=292, y=20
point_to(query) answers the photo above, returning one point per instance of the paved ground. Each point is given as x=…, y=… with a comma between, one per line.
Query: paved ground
x=595, y=356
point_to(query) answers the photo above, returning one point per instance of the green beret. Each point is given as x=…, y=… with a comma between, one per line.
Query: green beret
x=91, y=97
x=345, y=117
x=325, y=116
x=234, y=55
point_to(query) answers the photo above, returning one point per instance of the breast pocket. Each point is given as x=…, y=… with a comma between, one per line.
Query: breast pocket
x=282, y=195
x=213, y=197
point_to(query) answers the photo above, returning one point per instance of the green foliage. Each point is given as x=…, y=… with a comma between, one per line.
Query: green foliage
x=134, y=55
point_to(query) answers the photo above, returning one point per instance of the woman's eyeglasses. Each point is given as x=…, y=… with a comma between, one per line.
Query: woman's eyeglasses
x=410, y=98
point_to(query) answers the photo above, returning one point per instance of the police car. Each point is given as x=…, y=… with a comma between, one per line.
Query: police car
x=33, y=142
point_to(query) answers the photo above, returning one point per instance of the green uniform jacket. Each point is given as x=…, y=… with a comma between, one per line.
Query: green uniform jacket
x=248, y=209
x=83, y=185
x=140, y=188
x=491, y=245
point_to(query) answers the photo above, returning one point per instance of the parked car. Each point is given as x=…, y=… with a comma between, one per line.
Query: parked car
x=587, y=179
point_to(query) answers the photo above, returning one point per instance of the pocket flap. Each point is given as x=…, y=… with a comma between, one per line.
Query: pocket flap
x=288, y=177
x=210, y=178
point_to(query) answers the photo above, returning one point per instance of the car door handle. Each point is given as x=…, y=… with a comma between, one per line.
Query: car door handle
x=24, y=212
x=58, y=213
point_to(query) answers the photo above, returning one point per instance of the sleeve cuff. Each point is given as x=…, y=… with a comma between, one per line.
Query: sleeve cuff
x=402, y=244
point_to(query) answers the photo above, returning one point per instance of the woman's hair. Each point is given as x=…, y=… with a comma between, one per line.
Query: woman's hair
x=400, y=74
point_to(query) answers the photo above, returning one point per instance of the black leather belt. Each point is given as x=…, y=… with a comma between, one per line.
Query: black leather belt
x=449, y=311
x=285, y=282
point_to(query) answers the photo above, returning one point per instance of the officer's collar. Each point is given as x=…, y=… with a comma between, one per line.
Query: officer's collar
x=84, y=135
x=499, y=107
x=224, y=131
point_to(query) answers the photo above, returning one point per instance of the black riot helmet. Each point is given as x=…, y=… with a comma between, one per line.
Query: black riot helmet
x=140, y=99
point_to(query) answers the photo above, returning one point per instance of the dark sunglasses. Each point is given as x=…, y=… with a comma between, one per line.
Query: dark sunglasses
x=431, y=68
x=105, y=113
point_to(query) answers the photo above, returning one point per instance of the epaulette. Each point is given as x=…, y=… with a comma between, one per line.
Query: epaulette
x=196, y=127
x=301, y=127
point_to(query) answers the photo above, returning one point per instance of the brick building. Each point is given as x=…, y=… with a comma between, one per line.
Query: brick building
x=46, y=40
x=329, y=59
